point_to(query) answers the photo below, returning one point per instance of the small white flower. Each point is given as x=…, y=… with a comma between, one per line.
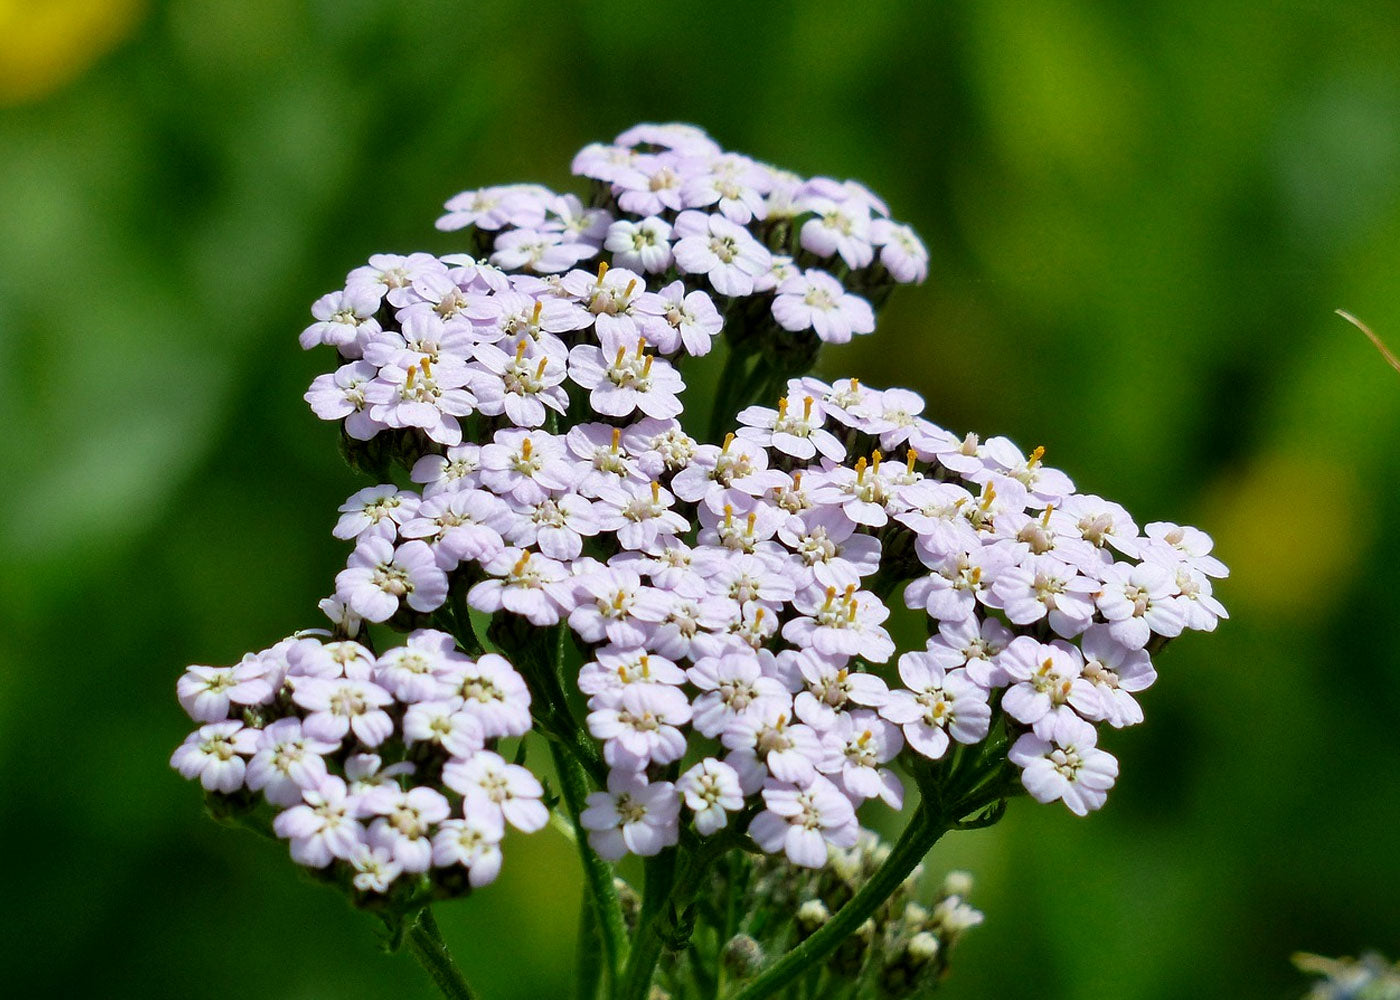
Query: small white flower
x=632, y=816
x=1066, y=766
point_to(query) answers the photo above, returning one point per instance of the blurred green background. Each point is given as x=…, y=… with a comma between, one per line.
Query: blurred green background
x=1140, y=216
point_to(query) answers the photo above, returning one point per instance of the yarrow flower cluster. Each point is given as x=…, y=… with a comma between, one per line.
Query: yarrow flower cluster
x=703, y=628
x=305, y=722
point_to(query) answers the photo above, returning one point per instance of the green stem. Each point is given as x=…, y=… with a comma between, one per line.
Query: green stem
x=923, y=830
x=571, y=765
x=662, y=890
x=589, y=956
x=607, y=909
x=425, y=941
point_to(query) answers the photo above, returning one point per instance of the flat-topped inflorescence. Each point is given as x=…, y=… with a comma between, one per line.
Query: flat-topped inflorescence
x=702, y=626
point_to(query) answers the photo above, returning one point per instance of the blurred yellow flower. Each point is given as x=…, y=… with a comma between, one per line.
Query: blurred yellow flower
x=1292, y=527
x=46, y=44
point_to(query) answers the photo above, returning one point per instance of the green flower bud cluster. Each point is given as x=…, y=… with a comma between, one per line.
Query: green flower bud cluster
x=901, y=951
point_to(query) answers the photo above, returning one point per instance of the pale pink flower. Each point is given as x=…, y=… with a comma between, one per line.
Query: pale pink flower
x=529, y=585
x=719, y=249
x=623, y=378
x=936, y=704
x=493, y=788
x=323, y=826
x=679, y=319
x=803, y=819
x=340, y=707
x=214, y=754
x=855, y=750
x=406, y=819
x=1066, y=765
x=379, y=576
x=816, y=301
x=474, y=843
x=711, y=791
x=632, y=816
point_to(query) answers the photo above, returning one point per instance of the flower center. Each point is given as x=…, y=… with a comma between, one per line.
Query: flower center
x=392, y=579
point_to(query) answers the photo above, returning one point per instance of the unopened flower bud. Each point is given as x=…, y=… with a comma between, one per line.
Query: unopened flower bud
x=629, y=901
x=957, y=884
x=923, y=948
x=812, y=914
x=954, y=916
x=915, y=915
x=742, y=956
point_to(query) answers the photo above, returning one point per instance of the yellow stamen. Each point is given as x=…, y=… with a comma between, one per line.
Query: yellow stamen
x=830, y=597
x=535, y=316
x=621, y=354
x=797, y=480
x=646, y=368
x=646, y=665
x=728, y=515
x=864, y=738
x=617, y=601
x=630, y=285
x=1045, y=518
x=876, y=458
x=782, y=408
x=807, y=402
x=408, y=379
x=976, y=575
x=1035, y=458
x=855, y=385
x=526, y=447
x=602, y=271
x=860, y=469
x=850, y=592
x=641, y=345
x=728, y=440
x=753, y=516
x=912, y=459
x=520, y=351
x=655, y=492
x=842, y=674
x=426, y=367
x=539, y=372
x=617, y=437
x=520, y=566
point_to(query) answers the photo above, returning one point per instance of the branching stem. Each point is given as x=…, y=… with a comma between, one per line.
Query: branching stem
x=925, y=827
